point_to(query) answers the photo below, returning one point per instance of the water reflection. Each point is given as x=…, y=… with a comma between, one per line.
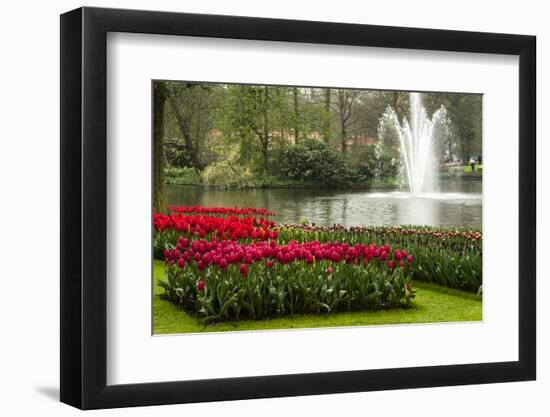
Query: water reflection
x=458, y=204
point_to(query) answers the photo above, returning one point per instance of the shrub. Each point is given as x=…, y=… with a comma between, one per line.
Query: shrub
x=227, y=175
x=181, y=175
x=372, y=166
x=313, y=160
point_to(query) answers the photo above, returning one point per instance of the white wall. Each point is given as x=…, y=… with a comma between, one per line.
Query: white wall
x=29, y=177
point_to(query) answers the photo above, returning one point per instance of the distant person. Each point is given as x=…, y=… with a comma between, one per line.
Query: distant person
x=473, y=164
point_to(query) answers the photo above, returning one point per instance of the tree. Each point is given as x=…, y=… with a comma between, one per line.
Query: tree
x=191, y=110
x=343, y=106
x=304, y=113
x=373, y=164
x=159, y=104
x=251, y=115
x=465, y=113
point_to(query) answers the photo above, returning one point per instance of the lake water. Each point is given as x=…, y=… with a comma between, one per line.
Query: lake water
x=456, y=204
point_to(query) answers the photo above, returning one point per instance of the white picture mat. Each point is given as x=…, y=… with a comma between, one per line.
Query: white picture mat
x=135, y=356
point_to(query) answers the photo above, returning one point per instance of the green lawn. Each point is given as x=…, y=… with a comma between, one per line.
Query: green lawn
x=432, y=304
x=468, y=168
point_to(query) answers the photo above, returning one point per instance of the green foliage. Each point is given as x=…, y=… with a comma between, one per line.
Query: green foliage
x=431, y=304
x=176, y=156
x=248, y=117
x=188, y=121
x=370, y=165
x=265, y=125
x=224, y=174
x=464, y=111
x=313, y=160
x=175, y=175
x=294, y=288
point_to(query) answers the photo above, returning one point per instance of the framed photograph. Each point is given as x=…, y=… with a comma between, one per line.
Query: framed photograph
x=257, y=208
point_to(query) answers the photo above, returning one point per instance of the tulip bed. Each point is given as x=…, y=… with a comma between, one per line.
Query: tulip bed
x=225, y=264
x=226, y=280
x=219, y=223
x=232, y=263
x=445, y=256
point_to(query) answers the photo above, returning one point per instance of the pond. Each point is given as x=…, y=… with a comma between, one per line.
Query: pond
x=455, y=204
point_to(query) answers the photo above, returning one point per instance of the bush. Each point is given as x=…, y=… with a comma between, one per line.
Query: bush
x=313, y=160
x=176, y=155
x=226, y=175
x=175, y=175
x=382, y=167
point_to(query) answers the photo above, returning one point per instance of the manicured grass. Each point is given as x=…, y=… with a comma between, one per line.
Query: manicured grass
x=432, y=304
x=468, y=168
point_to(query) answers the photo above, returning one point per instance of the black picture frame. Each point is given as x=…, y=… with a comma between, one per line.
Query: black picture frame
x=84, y=207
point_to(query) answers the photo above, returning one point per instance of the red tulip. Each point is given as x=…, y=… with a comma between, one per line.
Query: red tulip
x=243, y=269
x=390, y=264
x=200, y=285
x=223, y=264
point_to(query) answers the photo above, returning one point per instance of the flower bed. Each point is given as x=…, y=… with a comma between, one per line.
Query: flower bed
x=445, y=256
x=225, y=280
x=223, y=211
x=227, y=227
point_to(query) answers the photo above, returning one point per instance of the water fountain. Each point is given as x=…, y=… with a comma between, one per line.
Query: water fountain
x=416, y=140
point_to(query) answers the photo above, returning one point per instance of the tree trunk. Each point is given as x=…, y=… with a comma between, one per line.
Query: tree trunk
x=159, y=198
x=296, y=115
x=343, y=135
x=265, y=139
x=326, y=127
